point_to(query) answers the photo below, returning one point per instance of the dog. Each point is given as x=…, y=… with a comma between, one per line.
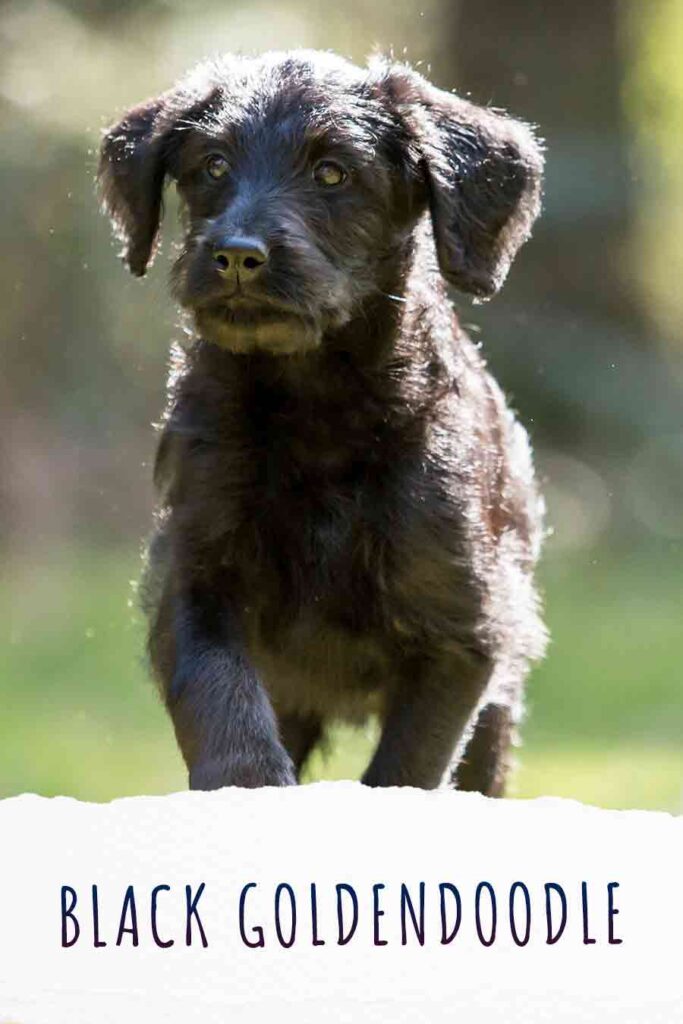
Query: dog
x=348, y=521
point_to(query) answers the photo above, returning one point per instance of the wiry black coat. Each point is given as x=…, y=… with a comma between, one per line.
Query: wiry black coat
x=348, y=521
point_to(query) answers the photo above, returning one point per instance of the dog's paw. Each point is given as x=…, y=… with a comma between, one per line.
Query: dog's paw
x=247, y=771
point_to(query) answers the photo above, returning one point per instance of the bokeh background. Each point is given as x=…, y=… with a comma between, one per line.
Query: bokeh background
x=586, y=338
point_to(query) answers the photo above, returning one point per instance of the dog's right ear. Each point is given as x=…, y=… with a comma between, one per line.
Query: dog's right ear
x=130, y=178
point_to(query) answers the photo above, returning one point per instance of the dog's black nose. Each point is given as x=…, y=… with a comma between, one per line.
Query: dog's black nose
x=243, y=256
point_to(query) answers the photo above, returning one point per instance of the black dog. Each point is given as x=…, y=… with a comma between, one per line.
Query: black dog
x=348, y=520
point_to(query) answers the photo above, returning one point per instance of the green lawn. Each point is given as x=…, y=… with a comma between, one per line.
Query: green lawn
x=605, y=719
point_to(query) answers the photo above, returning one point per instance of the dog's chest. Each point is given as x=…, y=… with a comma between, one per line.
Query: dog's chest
x=303, y=500
x=311, y=515
x=314, y=554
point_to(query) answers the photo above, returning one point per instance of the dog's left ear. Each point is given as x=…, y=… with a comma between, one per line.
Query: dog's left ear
x=484, y=173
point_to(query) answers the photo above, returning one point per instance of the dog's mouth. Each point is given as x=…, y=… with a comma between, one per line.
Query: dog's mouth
x=246, y=325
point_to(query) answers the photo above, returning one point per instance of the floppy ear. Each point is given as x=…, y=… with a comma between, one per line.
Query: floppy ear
x=484, y=173
x=130, y=178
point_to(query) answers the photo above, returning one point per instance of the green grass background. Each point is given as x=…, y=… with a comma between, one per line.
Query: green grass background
x=605, y=710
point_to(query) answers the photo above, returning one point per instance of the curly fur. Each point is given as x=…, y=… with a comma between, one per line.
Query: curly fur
x=348, y=520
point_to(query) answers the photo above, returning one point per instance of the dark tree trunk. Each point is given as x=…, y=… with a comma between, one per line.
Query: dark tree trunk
x=567, y=335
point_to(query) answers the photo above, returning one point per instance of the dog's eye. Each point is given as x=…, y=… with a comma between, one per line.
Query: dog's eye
x=216, y=166
x=329, y=174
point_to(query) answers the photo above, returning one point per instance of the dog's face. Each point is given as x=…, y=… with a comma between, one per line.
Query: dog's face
x=302, y=179
x=296, y=196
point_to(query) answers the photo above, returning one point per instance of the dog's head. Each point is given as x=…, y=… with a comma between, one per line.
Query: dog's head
x=302, y=179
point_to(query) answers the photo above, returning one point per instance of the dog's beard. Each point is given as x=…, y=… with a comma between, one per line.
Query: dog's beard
x=258, y=328
x=281, y=316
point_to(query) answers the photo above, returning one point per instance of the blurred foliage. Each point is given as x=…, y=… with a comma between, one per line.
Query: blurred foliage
x=586, y=338
x=653, y=99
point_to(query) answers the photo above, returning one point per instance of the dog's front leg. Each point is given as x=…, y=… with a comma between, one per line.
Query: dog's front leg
x=425, y=720
x=225, y=725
